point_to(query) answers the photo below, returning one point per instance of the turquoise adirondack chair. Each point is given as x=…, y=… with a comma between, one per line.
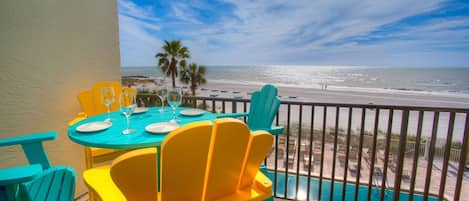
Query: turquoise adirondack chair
x=38, y=181
x=264, y=107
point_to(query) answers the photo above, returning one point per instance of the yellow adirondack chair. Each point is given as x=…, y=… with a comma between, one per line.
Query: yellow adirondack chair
x=90, y=103
x=198, y=162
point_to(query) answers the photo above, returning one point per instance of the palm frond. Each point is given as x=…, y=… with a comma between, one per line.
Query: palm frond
x=202, y=70
x=172, y=58
x=184, y=52
x=183, y=63
x=161, y=55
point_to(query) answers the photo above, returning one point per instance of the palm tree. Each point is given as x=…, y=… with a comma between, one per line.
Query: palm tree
x=194, y=76
x=174, y=54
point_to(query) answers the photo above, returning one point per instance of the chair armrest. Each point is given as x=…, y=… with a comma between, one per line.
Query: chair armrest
x=29, y=139
x=19, y=174
x=263, y=182
x=100, y=182
x=275, y=130
x=79, y=117
x=231, y=115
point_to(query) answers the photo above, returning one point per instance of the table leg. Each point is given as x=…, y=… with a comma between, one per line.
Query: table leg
x=158, y=161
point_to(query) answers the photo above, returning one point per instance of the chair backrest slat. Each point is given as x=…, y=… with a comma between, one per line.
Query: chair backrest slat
x=54, y=184
x=135, y=174
x=43, y=189
x=230, y=140
x=68, y=187
x=260, y=144
x=86, y=102
x=184, y=157
x=264, y=106
x=55, y=187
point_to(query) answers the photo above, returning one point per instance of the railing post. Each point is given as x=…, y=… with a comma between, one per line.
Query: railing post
x=386, y=154
x=234, y=107
x=287, y=154
x=323, y=144
x=431, y=154
x=416, y=155
x=427, y=148
x=401, y=154
x=310, y=151
x=446, y=153
x=463, y=160
x=360, y=149
x=347, y=151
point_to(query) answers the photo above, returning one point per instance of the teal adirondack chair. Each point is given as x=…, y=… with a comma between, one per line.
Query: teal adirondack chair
x=38, y=181
x=264, y=106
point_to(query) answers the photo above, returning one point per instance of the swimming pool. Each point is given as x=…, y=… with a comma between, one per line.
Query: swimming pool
x=326, y=187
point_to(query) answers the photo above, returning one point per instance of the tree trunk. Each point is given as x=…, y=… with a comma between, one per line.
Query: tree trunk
x=174, y=79
x=173, y=69
x=193, y=86
x=193, y=91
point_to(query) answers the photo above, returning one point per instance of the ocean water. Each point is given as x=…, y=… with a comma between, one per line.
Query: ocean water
x=447, y=81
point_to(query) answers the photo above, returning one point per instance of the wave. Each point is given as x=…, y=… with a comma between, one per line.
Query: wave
x=409, y=91
x=433, y=81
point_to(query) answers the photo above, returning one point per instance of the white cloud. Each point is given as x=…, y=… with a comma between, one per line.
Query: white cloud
x=138, y=46
x=184, y=12
x=304, y=31
x=130, y=9
x=263, y=30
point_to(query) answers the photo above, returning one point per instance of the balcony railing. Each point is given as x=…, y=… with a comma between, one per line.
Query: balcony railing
x=334, y=151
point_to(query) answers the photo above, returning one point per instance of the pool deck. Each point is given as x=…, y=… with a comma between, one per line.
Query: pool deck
x=365, y=170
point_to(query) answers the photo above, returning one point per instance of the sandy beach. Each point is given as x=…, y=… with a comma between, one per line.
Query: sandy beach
x=404, y=98
x=390, y=97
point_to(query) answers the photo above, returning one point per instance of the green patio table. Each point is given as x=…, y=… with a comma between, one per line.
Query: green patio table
x=113, y=138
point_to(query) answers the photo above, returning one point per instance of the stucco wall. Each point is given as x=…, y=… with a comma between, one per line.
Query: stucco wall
x=49, y=51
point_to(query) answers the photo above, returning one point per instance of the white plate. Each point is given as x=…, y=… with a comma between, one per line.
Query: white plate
x=139, y=110
x=192, y=112
x=93, y=126
x=162, y=127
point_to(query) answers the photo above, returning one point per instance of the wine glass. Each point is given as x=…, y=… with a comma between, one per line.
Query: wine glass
x=127, y=105
x=107, y=98
x=161, y=92
x=174, y=99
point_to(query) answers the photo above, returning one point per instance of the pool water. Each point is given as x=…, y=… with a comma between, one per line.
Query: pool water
x=326, y=188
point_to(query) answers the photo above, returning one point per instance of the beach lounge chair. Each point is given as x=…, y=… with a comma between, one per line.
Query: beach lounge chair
x=262, y=111
x=199, y=161
x=405, y=174
x=378, y=172
x=281, y=141
x=341, y=158
x=291, y=159
x=353, y=167
x=353, y=155
x=39, y=180
x=306, y=162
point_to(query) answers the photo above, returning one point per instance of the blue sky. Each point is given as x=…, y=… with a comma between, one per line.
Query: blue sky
x=300, y=32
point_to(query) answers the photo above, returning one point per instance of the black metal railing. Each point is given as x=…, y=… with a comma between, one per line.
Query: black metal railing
x=340, y=149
